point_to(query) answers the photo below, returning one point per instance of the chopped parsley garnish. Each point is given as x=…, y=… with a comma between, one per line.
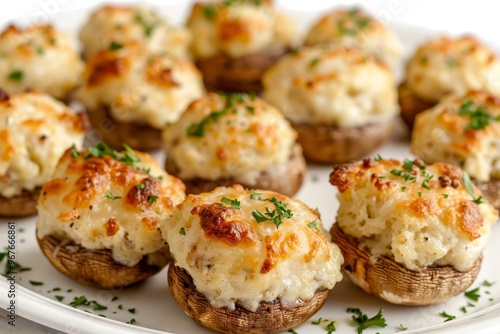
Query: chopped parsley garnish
x=114, y=298
x=291, y=330
x=313, y=62
x=152, y=199
x=141, y=186
x=403, y=188
x=209, y=11
x=132, y=321
x=182, y=231
x=419, y=194
x=113, y=197
x=408, y=165
x=331, y=327
x=363, y=322
x=487, y=283
x=231, y=99
x=463, y=309
x=11, y=266
x=113, y=46
x=313, y=225
x=255, y=195
x=478, y=116
x=402, y=328
x=36, y=283
x=97, y=306
x=16, y=75
x=74, y=152
x=468, y=186
x=56, y=289
x=405, y=175
x=445, y=195
x=276, y=216
x=39, y=51
x=59, y=298
x=473, y=294
x=131, y=310
x=147, y=27
x=79, y=301
x=317, y=322
x=447, y=316
x=101, y=150
x=233, y=202
x=378, y=157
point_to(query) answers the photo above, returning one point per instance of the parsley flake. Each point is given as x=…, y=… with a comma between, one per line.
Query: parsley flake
x=141, y=186
x=487, y=283
x=152, y=199
x=468, y=186
x=182, y=231
x=255, y=195
x=209, y=11
x=473, y=294
x=112, y=197
x=79, y=301
x=378, y=158
x=317, y=322
x=16, y=75
x=447, y=316
x=363, y=322
x=408, y=165
x=276, y=216
x=147, y=27
x=59, y=298
x=97, y=306
x=36, y=283
x=233, y=202
x=479, y=118
x=445, y=195
x=331, y=327
x=74, y=152
x=402, y=328
x=313, y=225
x=113, y=46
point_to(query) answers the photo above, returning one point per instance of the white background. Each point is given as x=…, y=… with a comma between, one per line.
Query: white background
x=479, y=16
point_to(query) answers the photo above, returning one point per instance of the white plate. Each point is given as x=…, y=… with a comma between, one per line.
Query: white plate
x=155, y=310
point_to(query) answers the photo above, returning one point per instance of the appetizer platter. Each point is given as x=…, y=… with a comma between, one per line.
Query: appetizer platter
x=168, y=265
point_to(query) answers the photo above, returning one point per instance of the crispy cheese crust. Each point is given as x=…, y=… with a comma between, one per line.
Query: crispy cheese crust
x=39, y=57
x=103, y=203
x=241, y=28
x=452, y=132
x=232, y=258
x=125, y=24
x=233, y=135
x=140, y=87
x=419, y=215
x=452, y=65
x=331, y=86
x=355, y=28
x=35, y=130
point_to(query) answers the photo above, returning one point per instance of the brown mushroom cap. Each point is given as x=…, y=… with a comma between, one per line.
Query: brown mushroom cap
x=285, y=179
x=333, y=145
x=269, y=318
x=20, y=205
x=95, y=267
x=393, y=282
x=490, y=190
x=410, y=104
x=223, y=73
x=140, y=137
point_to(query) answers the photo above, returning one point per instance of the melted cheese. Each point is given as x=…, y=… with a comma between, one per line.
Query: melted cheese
x=396, y=215
x=222, y=136
x=239, y=29
x=331, y=86
x=355, y=28
x=140, y=87
x=445, y=65
x=125, y=24
x=35, y=130
x=442, y=134
x=101, y=203
x=41, y=58
x=233, y=259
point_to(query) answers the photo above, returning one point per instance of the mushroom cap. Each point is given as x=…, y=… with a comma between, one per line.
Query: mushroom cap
x=270, y=317
x=96, y=267
x=410, y=104
x=20, y=205
x=391, y=281
x=331, y=144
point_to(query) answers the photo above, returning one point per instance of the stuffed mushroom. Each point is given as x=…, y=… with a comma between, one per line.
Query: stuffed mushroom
x=98, y=217
x=234, y=42
x=249, y=261
x=341, y=102
x=35, y=131
x=410, y=233
x=223, y=139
